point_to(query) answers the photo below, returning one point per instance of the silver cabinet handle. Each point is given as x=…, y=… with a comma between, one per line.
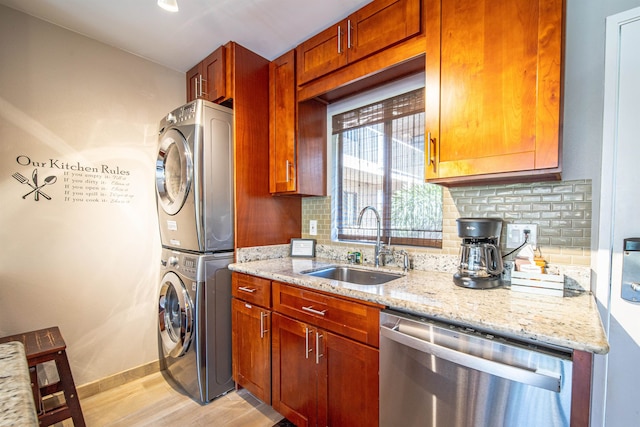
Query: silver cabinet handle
x=195, y=88
x=430, y=159
x=508, y=372
x=318, y=354
x=287, y=171
x=310, y=309
x=263, y=331
x=349, y=34
x=429, y=149
x=202, y=91
x=244, y=289
x=339, y=39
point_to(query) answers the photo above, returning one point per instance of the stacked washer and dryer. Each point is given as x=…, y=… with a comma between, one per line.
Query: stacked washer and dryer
x=194, y=184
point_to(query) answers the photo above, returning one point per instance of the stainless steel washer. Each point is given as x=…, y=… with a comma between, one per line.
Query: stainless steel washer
x=194, y=322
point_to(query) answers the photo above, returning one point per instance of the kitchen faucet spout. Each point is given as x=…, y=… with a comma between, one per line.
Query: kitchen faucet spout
x=378, y=226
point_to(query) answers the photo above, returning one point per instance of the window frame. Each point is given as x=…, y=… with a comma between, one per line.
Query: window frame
x=335, y=142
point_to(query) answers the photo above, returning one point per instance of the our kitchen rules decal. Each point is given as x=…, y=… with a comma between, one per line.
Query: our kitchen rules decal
x=77, y=182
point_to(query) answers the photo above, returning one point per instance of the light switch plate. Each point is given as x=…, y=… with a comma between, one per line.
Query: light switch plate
x=515, y=235
x=313, y=227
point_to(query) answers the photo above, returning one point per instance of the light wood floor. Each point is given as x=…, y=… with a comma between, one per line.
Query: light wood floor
x=151, y=401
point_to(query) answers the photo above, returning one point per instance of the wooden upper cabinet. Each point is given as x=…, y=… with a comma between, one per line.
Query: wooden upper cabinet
x=493, y=105
x=297, y=135
x=207, y=80
x=380, y=24
x=322, y=53
x=282, y=124
x=371, y=29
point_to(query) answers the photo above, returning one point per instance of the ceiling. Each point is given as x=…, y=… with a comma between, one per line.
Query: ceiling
x=180, y=40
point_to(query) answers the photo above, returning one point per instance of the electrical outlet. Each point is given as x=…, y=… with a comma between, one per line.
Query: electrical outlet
x=516, y=235
x=313, y=227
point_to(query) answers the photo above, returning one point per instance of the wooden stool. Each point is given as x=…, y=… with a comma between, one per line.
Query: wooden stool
x=43, y=346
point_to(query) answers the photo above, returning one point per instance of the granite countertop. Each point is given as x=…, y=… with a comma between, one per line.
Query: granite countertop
x=16, y=398
x=571, y=322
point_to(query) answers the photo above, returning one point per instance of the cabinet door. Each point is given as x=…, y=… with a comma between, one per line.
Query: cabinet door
x=348, y=386
x=294, y=371
x=381, y=24
x=322, y=53
x=207, y=79
x=193, y=83
x=251, y=348
x=282, y=124
x=499, y=88
x=213, y=70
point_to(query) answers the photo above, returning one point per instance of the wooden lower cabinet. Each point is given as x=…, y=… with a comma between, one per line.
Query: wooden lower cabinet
x=322, y=379
x=251, y=334
x=252, y=348
x=350, y=384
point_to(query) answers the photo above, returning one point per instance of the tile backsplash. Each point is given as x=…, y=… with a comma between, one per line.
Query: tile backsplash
x=561, y=209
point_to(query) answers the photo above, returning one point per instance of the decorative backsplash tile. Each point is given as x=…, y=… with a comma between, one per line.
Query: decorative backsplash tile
x=561, y=209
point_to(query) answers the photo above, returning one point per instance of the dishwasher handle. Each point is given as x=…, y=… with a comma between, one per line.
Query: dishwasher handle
x=509, y=372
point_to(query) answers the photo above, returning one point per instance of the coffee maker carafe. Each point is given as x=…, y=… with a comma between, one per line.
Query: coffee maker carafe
x=480, y=258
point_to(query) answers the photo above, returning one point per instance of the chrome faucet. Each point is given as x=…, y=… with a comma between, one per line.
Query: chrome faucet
x=406, y=263
x=380, y=250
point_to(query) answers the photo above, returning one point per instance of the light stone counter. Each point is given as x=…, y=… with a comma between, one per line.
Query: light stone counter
x=16, y=397
x=571, y=322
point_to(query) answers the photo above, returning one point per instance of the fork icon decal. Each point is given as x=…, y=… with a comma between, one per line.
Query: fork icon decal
x=36, y=189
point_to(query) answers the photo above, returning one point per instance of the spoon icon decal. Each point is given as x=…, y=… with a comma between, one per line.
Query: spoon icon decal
x=47, y=181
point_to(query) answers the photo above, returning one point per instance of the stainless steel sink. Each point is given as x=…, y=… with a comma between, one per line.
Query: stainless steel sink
x=353, y=275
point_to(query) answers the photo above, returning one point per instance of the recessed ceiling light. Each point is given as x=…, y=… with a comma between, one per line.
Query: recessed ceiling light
x=170, y=5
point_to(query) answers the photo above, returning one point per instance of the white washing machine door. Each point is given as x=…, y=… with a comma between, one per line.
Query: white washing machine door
x=175, y=316
x=174, y=171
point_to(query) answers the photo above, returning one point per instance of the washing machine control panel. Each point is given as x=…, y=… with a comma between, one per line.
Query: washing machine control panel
x=189, y=265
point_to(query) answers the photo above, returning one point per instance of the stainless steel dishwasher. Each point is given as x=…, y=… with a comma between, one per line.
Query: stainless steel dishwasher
x=435, y=374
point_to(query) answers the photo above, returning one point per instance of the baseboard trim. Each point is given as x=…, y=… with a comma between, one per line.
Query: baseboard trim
x=115, y=380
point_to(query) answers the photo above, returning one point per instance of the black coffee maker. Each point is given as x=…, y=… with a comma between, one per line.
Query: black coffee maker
x=480, y=258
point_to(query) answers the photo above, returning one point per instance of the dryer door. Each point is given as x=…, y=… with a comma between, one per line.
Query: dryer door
x=174, y=171
x=175, y=316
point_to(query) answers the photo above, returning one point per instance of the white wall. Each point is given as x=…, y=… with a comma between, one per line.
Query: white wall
x=583, y=86
x=89, y=267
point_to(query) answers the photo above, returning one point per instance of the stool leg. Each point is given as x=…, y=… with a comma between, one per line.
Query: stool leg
x=35, y=387
x=69, y=387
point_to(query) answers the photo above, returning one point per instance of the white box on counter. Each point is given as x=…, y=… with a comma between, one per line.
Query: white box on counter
x=538, y=283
